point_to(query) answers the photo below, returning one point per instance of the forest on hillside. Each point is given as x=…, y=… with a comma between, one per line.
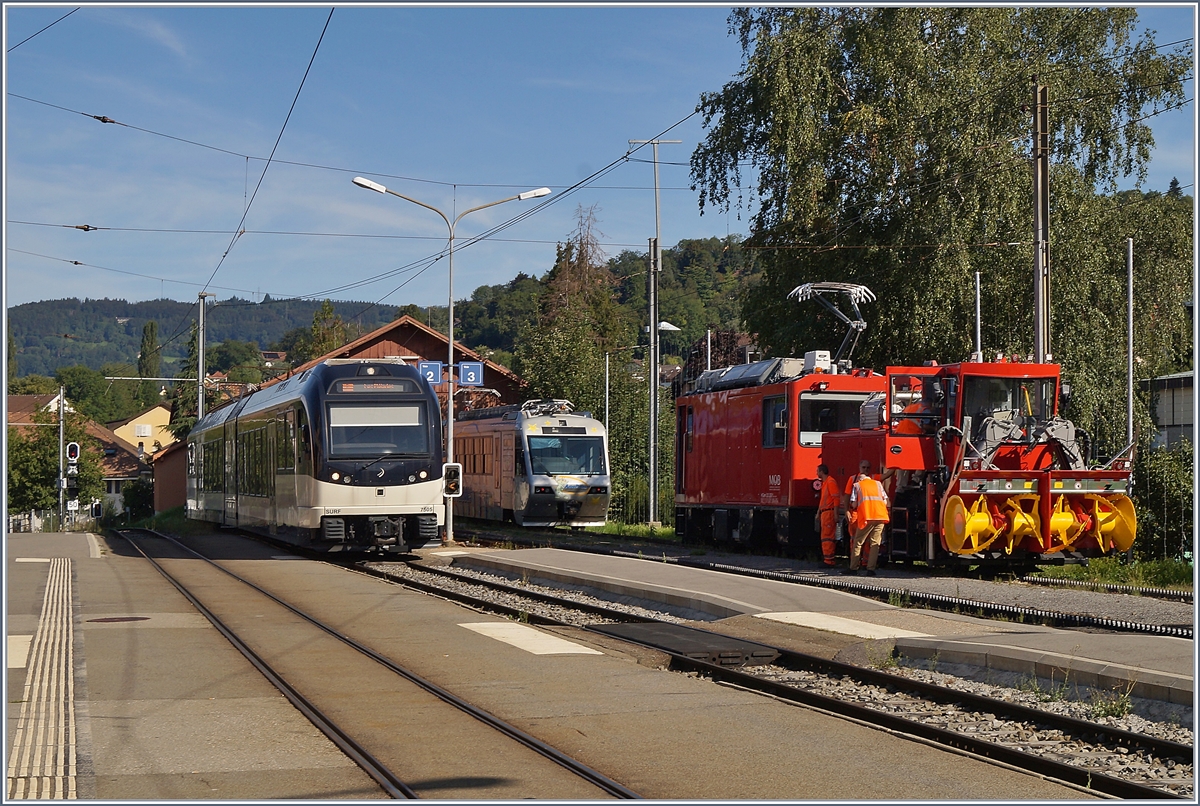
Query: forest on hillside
x=701, y=287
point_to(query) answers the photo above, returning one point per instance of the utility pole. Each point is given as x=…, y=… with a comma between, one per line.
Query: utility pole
x=652, y=286
x=1041, y=223
x=1129, y=334
x=200, y=358
x=62, y=479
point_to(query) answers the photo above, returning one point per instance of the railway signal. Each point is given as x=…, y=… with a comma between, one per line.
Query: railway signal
x=452, y=480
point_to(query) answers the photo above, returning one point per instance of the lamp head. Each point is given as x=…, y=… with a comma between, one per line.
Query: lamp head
x=369, y=185
x=529, y=194
x=667, y=326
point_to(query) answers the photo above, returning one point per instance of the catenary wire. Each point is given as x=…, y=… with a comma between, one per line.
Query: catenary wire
x=51, y=25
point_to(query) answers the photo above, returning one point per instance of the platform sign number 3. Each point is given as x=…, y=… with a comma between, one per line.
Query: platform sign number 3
x=470, y=373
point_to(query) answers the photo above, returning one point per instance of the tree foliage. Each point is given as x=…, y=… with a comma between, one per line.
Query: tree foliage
x=329, y=331
x=33, y=462
x=890, y=147
x=240, y=360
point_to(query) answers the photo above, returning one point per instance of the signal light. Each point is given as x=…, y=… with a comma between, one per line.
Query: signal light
x=452, y=480
x=72, y=452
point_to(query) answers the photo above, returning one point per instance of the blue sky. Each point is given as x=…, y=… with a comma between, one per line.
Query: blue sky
x=453, y=106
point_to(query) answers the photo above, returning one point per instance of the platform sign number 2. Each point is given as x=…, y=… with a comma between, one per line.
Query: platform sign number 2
x=431, y=371
x=470, y=373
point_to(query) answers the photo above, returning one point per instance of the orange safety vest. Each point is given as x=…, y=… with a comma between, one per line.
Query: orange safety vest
x=870, y=500
x=829, y=494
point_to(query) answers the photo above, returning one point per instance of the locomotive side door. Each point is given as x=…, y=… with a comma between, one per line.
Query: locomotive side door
x=506, y=471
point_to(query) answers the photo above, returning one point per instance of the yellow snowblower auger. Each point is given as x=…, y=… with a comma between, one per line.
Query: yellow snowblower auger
x=1114, y=522
x=968, y=530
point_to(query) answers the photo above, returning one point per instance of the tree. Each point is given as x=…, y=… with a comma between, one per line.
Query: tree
x=149, y=365
x=183, y=410
x=33, y=385
x=297, y=343
x=33, y=462
x=240, y=360
x=138, y=496
x=329, y=332
x=890, y=147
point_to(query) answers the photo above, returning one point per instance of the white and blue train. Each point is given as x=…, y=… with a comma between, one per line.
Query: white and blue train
x=346, y=456
x=537, y=464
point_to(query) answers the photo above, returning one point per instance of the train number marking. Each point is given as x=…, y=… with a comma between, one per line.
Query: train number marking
x=774, y=479
x=427, y=508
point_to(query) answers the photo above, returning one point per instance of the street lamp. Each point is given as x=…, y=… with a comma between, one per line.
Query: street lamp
x=529, y=194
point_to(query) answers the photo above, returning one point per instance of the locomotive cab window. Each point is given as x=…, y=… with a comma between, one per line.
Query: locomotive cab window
x=774, y=422
x=358, y=431
x=1012, y=399
x=575, y=456
x=916, y=403
x=826, y=411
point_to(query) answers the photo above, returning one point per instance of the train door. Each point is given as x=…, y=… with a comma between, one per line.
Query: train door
x=231, y=474
x=507, y=471
x=271, y=451
x=683, y=447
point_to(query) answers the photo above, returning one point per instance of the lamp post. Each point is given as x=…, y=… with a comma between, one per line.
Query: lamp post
x=655, y=358
x=529, y=194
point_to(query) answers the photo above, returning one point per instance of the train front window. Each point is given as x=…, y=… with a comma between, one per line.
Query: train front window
x=826, y=411
x=1007, y=398
x=566, y=456
x=361, y=431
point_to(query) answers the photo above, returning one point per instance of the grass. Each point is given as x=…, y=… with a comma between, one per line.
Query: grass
x=1111, y=703
x=1055, y=693
x=882, y=655
x=636, y=530
x=174, y=522
x=1114, y=571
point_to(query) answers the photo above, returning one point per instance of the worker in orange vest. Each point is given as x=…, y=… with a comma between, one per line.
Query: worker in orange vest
x=827, y=511
x=870, y=505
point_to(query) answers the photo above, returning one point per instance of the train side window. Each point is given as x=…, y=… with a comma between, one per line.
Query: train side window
x=690, y=431
x=825, y=411
x=774, y=422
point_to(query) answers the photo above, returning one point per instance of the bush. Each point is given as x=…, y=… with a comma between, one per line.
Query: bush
x=139, y=498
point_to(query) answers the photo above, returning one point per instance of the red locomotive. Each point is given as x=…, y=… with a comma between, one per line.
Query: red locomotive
x=749, y=439
x=981, y=467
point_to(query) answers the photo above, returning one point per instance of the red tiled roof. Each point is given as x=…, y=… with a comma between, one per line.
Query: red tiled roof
x=348, y=350
x=21, y=408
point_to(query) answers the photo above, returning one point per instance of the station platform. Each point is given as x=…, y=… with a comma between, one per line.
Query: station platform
x=1151, y=667
x=153, y=703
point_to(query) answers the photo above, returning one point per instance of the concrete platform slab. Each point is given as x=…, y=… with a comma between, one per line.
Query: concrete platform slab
x=1154, y=667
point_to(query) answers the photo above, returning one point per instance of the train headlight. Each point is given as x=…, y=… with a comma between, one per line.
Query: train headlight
x=544, y=490
x=411, y=479
x=424, y=474
x=335, y=475
x=345, y=479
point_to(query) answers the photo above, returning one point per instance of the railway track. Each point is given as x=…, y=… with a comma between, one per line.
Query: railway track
x=881, y=589
x=1069, y=749
x=338, y=658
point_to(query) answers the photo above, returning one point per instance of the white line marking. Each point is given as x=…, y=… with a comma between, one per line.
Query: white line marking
x=32, y=559
x=846, y=626
x=449, y=553
x=93, y=547
x=18, y=650
x=529, y=639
